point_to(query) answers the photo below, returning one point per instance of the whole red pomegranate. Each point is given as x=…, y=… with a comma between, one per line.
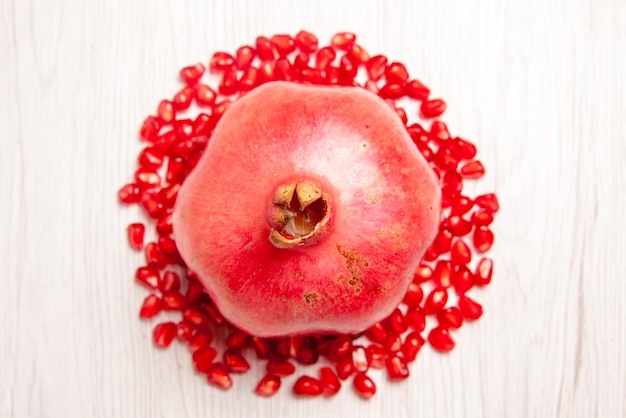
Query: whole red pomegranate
x=309, y=211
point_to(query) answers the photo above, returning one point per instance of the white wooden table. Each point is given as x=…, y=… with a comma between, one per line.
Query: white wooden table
x=538, y=85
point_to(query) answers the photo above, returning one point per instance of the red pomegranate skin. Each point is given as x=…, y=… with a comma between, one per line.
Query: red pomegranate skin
x=382, y=209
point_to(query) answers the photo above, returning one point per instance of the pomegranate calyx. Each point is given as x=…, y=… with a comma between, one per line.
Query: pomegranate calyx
x=298, y=214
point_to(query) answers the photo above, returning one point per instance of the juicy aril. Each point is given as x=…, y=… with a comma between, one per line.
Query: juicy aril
x=309, y=211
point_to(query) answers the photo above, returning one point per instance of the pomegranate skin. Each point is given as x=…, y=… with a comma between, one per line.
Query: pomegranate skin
x=381, y=202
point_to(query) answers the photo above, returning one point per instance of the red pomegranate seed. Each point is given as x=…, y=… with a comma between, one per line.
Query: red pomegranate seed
x=391, y=91
x=343, y=40
x=416, y=90
x=283, y=70
x=168, y=194
x=307, y=352
x=308, y=386
x=471, y=310
x=484, y=271
x=152, y=206
x=266, y=72
x=488, y=201
x=482, y=218
x=204, y=95
x=392, y=343
x=413, y=342
x=359, y=359
x=284, y=44
x=443, y=241
x=344, y=368
x=364, y=386
x=229, y=82
x=416, y=318
x=376, y=333
x=439, y=131
x=261, y=348
x=245, y=56
x=347, y=70
x=264, y=48
x=306, y=41
x=396, y=322
x=213, y=313
x=166, y=111
x=280, y=367
x=301, y=61
x=376, y=67
x=221, y=61
x=464, y=149
x=184, y=330
x=150, y=158
x=192, y=74
x=154, y=255
x=268, y=385
x=195, y=317
x=218, y=375
x=461, y=205
x=436, y=301
x=423, y=274
x=129, y=193
x=199, y=341
x=458, y=225
x=235, y=362
x=203, y=358
x=483, y=239
x=396, y=72
x=450, y=318
x=324, y=58
x=440, y=339
x=402, y=115
x=135, y=234
x=413, y=295
x=433, y=108
x=357, y=54
x=472, y=170
x=151, y=306
x=165, y=141
x=396, y=368
x=164, y=225
x=462, y=279
x=163, y=334
x=149, y=129
x=375, y=356
x=174, y=302
x=330, y=382
x=442, y=275
x=237, y=339
x=460, y=253
x=195, y=291
x=340, y=348
x=182, y=99
x=146, y=178
x=147, y=276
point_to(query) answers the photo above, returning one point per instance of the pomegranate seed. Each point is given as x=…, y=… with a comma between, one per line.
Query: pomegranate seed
x=488, y=201
x=375, y=356
x=237, y=339
x=196, y=318
x=204, y=95
x=416, y=318
x=396, y=322
x=433, y=108
x=266, y=72
x=460, y=253
x=203, y=358
x=343, y=40
x=359, y=359
x=148, y=277
x=163, y=334
x=357, y=54
x=436, y=301
x=364, y=386
x=413, y=296
x=306, y=42
x=199, y=341
x=146, y=178
x=376, y=333
x=311, y=75
x=280, y=367
x=235, y=361
x=472, y=170
x=184, y=330
x=264, y=48
x=341, y=347
x=284, y=44
x=440, y=339
x=482, y=218
x=463, y=280
x=458, y=225
x=213, y=313
x=228, y=85
x=301, y=61
x=192, y=74
x=391, y=91
x=129, y=193
x=464, y=149
x=154, y=255
x=149, y=129
x=152, y=206
x=307, y=352
x=461, y=205
x=392, y=343
x=324, y=57
x=471, y=310
x=402, y=115
x=483, y=239
x=261, y=347
x=218, y=375
x=168, y=248
x=135, y=234
x=164, y=225
x=450, y=318
x=182, y=99
x=376, y=67
x=306, y=385
x=195, y=291
x=416, y=90
x=396, y=72
x=221, y=61
x=284, y=71
x=443, y=241
x=442, y=274
x=347, y=70
x=413, y=342
x=329, y=381
x=151, y=306
x=423, y=274
x=174, y=302
x=484, y=271
x=166, y=111
x=150, y=158
x=344, y=368
x=268, y=385
x=396, y=368
x=168, y=194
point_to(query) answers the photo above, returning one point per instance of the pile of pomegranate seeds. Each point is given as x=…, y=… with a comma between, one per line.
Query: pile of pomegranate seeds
x=437, y=302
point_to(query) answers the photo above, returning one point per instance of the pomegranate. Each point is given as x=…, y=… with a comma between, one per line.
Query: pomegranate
x=308, y=212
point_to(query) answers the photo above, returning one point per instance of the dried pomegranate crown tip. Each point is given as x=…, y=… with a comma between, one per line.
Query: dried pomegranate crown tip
x=298, y=214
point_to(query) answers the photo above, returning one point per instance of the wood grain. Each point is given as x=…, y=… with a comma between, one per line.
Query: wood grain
x=538, y=85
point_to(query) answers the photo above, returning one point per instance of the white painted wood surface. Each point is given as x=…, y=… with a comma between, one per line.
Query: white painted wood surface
x=539, y=85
